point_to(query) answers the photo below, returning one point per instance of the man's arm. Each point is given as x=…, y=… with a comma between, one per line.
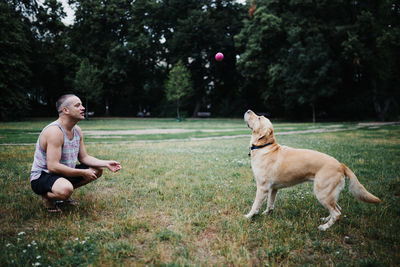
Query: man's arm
x=91, y=161
x=52, y=141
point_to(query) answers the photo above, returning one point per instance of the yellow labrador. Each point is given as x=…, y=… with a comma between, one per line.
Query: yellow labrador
x=276, y=167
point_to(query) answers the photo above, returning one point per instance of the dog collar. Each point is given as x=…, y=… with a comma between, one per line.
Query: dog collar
x=258, y=147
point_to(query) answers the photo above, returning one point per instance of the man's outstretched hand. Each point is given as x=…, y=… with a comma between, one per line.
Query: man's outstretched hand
x=113, y=165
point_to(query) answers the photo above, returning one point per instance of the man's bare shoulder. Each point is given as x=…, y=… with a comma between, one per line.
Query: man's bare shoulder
x=53, y=133
x=79, y=130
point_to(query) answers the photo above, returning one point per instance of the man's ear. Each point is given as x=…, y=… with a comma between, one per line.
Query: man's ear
x=65, y=110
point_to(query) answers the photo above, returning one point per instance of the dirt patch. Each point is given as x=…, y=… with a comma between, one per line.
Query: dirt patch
x=363, y=124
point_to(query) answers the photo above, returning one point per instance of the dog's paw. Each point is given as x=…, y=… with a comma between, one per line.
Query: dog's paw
x=268, y=212
x=325, y=219
x=248, y=216
x=323, y=227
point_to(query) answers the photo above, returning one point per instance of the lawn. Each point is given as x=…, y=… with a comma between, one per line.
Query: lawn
x=180, y=199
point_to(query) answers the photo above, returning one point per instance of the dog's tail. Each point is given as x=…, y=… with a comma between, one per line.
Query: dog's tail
x=357, y=189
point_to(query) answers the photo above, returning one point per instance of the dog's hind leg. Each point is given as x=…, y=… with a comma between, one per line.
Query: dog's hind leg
x=327, y=194
x=260, y=196
x=335, y=214
x=325, y=219
x=271, y=201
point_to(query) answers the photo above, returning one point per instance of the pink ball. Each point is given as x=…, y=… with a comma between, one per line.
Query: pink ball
x=219, y=56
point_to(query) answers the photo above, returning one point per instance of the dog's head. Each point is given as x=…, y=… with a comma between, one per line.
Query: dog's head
x=263, y=131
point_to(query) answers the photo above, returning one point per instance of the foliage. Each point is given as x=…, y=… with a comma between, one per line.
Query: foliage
x=87, y=83
x=14, y=63
x=53, y=65
x=294, y=59
x=300, y=54
x=179, y=85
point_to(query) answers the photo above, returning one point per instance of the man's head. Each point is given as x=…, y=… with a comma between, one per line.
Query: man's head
x=70, y=105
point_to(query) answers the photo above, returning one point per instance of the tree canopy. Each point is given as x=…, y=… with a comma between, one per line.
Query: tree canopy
x=298, y=59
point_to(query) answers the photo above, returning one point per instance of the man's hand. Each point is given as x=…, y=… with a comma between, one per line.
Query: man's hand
x=113, y=166
x=89, y=174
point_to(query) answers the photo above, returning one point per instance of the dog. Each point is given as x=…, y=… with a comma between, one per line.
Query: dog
x=275, y=167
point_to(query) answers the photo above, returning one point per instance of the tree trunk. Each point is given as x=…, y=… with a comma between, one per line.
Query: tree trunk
x=381, y=112
x=313, y=113
x=196, y=108
x=87, y=109
x=177, y=110
x=107, y=108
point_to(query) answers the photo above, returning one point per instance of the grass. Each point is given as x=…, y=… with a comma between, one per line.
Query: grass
x=27, y=132
x=181, y=202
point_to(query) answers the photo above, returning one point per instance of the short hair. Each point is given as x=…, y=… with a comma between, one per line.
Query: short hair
x=63, y=102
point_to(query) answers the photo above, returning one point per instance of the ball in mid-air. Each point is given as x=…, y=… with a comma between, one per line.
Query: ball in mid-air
x=219, y=56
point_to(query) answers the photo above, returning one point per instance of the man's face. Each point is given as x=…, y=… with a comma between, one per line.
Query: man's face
x=75, y=108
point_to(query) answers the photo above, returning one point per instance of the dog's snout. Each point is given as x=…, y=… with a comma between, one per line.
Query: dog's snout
x=247, y=115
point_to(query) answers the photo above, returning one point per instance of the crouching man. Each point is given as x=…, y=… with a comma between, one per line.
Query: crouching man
x=54, y=174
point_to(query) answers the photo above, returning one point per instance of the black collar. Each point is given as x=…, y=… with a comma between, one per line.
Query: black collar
x=258, y=147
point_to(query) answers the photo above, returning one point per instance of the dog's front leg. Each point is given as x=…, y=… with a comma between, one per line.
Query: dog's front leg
x=260, y=196
x=271, y=201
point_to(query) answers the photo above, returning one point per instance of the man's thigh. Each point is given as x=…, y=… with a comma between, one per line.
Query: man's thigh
x=47, y=181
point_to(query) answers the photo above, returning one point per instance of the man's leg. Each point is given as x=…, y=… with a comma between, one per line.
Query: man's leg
x=61, y=190
x=98, y=172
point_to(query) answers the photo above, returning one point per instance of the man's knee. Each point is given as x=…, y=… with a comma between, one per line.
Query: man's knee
x=62, y=188
x=98, y=171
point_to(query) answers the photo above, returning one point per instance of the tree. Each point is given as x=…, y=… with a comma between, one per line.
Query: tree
x=310, y=73
x=372, y=46
x=297, y=54
x=87, y=83
x=53, y=64
x=194, y=31
x=179, y=85
x=15, y=73
x=260, y=44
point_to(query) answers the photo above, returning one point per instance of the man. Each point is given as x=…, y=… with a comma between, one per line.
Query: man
x=54, y=173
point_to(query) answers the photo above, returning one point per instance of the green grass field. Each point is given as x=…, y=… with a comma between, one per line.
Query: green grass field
x=181, y=197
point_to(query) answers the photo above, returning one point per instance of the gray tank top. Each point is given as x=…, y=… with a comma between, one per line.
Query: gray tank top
x=69, y=154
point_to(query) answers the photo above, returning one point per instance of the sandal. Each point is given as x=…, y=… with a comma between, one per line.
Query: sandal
x=50, y=206
x=72, y=202
x=69, y=201
x=54, y=210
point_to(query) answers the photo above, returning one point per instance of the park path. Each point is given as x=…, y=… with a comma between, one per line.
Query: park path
x=99, y=134
x=371, y=125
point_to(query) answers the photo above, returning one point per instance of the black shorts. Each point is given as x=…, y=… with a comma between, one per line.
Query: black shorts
x=45, y=182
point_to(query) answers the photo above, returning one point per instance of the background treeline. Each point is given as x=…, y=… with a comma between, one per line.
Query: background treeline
x=298, y=59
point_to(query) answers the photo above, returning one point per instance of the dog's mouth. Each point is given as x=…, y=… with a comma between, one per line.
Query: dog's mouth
x=249, y=119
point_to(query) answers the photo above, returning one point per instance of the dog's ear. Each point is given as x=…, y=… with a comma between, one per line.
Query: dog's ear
x=264, y=134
